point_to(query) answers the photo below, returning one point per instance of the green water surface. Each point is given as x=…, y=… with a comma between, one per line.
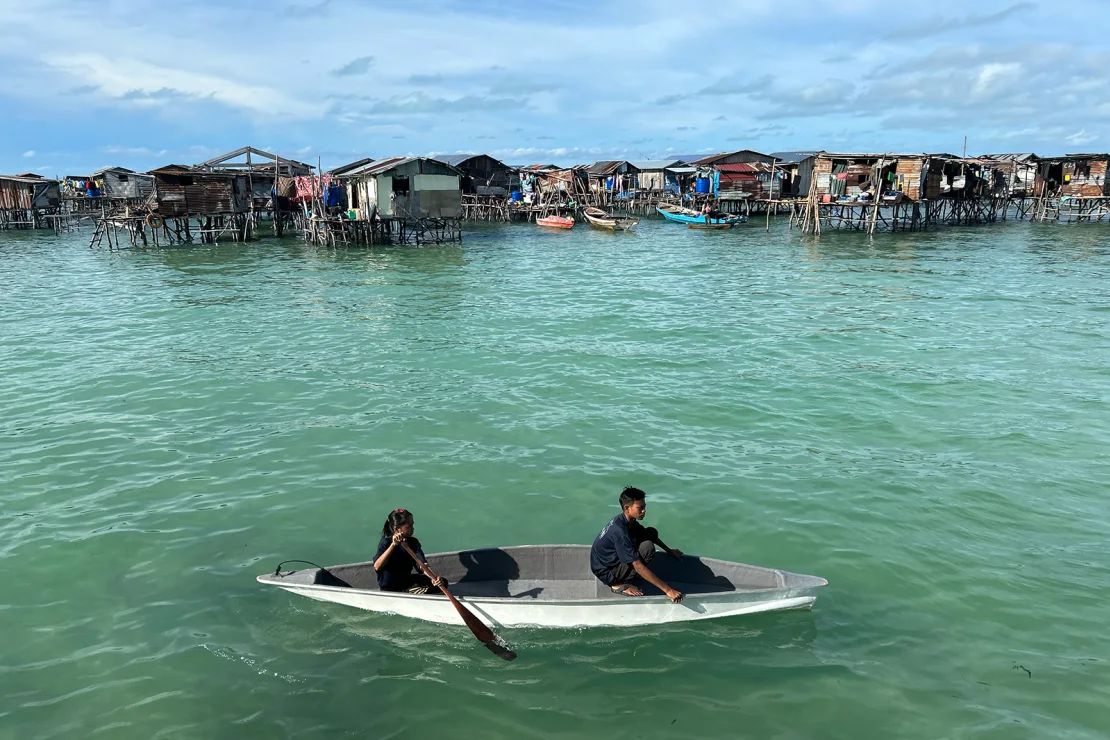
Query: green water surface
x=921, y=419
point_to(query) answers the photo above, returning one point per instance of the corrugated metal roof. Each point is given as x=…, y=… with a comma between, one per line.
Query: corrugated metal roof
x=656, y=164
x=711, y=158
x=382, y=166
x=687, y=158
x=122, y=170
x=607, y=167
x=181, y=169
x=744, y=167
x=378, y=166
x=457, y=159
x=30, y=180
x=872, y=155
x=1015, y=156
x=344, y=168
x=795, y=156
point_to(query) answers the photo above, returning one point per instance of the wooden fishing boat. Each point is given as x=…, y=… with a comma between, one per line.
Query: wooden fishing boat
x=556, y=222
x=600, y=219
x=683, y=215
x=552, y=586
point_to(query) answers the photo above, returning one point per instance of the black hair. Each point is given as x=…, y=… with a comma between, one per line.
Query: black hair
x=396, y=518
x=630, y=495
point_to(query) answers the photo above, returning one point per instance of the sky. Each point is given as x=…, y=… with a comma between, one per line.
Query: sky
x=141, y=83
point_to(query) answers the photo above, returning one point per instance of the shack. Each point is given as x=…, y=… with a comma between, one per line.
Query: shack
x=842, y=176
x=1072, y=174
x=657, y=174
x=747, y=181
x=550, y=183
x=1020, y=169
x=793, y=168
x=122, y=184
x=260, y=173
x=611, y=176
x=483, y=175
x=113, y=185
x=25, y=198
x=741, y=156
x=404, y=187
x=181, y=190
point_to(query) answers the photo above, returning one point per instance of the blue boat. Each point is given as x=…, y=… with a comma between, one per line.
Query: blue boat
x=681, y=215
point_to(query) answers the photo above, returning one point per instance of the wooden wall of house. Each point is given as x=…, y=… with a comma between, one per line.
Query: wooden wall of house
x=907, y=174
x=822, y=174
x=484, y=172
x=126, y=185
x=48, y=194
x=430, y=195
x=16, y=194
x=1085, y=177
x=200, y=196
x=803, y=176
x=650, y=180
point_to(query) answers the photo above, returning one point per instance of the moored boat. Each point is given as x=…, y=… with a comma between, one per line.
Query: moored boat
x=600, y=219
x=683, y=215
x=556, y=222
x=552, y=586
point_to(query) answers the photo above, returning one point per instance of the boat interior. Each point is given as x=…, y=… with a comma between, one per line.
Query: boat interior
x=561, y=572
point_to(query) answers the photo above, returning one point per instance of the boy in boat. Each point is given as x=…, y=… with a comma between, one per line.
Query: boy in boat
x=624, y=548
x=395, y=568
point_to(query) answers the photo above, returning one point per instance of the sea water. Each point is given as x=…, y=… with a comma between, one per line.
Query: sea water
x=922, y=419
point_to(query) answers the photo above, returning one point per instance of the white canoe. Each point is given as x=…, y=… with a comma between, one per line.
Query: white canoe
x=552, y=586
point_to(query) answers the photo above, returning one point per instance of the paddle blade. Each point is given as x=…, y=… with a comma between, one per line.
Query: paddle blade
x=500, y=649
x=484, y=634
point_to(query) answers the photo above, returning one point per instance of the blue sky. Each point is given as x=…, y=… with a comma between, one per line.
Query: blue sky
x=142, y=84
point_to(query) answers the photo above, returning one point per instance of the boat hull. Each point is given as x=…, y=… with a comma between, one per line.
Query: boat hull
x=551, y=586
x=607, y=222
x=625, y=612
x=556, y=222
x=692, y=217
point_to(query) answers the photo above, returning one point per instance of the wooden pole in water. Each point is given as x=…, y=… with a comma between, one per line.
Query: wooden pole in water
x=279, y=228
x=250, y=195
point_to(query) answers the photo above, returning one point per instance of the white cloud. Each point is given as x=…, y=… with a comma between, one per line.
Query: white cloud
x=994, y=75
x=29, y=153
x=145, y=84
x=1081, y=138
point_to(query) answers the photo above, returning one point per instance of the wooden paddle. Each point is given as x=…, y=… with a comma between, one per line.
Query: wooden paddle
x=484, y=634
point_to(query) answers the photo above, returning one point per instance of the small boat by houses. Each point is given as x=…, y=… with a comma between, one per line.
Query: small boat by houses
x=552, y=586
x=600, y=219
x=682, y=215
x=556, y=222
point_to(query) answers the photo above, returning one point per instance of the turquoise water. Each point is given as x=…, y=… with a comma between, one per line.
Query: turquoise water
x=921, y=419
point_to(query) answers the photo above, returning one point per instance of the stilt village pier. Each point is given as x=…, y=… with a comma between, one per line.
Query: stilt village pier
x=249, y=193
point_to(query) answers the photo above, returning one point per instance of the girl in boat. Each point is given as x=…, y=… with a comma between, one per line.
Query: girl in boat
x=395, y=568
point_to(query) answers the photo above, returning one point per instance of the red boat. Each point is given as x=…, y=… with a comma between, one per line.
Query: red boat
x=556, y=222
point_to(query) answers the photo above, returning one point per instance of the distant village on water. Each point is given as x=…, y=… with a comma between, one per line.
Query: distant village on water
x=248, y=193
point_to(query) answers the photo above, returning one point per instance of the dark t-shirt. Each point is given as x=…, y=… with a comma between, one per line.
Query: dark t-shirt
x=396, y=574
x=612, y=547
